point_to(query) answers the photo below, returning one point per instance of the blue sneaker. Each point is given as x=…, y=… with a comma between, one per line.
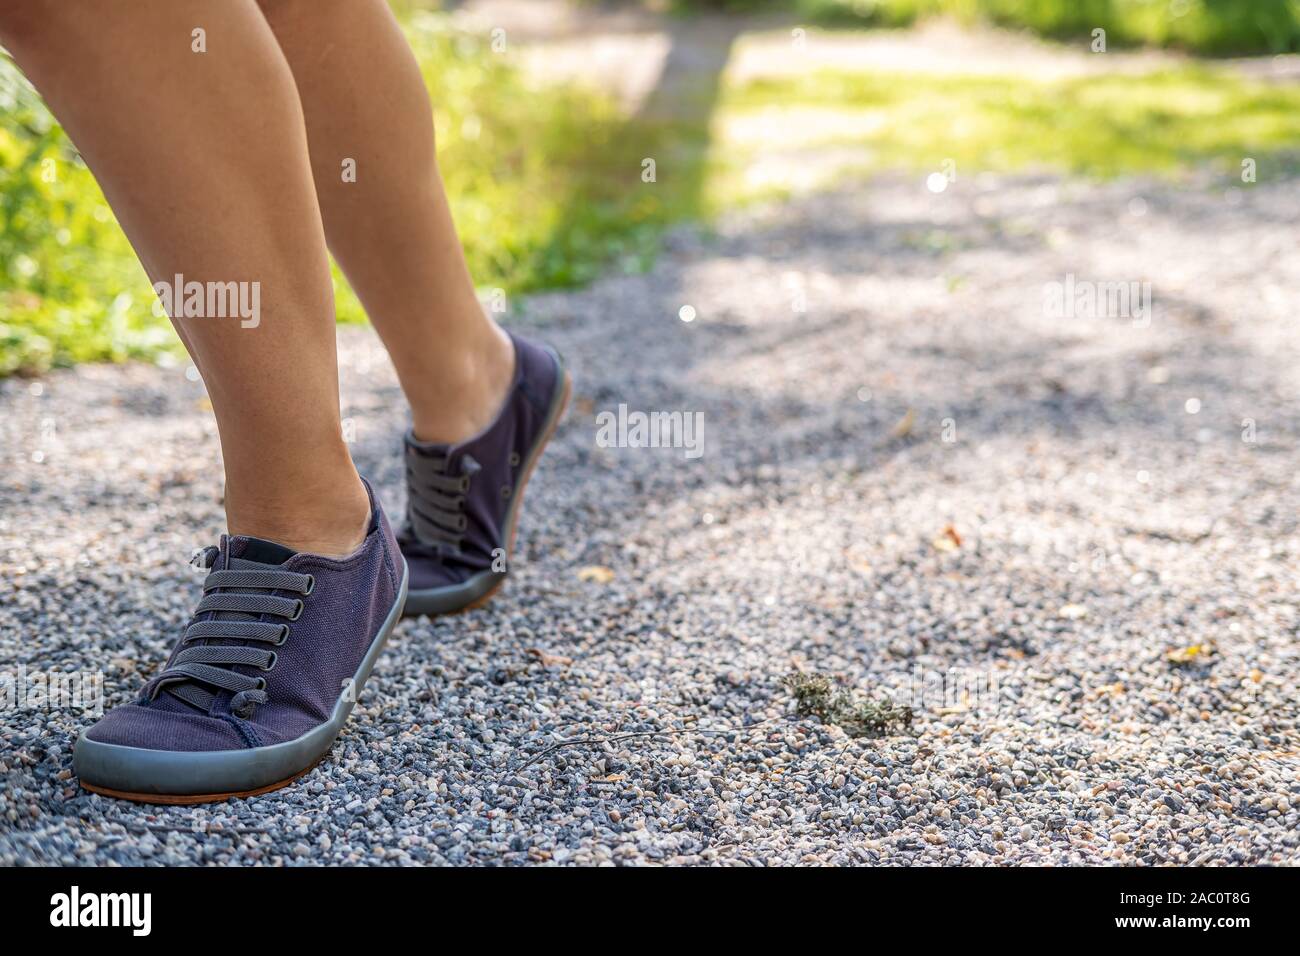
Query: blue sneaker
x=463, y=501
x=261, y=681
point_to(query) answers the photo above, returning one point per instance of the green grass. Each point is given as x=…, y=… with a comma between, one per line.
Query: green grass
x=546, y=183
x=1212, y=27
x=1165, y=123
x=70, y=288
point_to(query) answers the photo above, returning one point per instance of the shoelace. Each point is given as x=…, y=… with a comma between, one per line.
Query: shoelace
x=240, y=598
x=435, y=511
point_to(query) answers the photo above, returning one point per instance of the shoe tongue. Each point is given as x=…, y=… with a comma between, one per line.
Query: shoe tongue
x=245, y=553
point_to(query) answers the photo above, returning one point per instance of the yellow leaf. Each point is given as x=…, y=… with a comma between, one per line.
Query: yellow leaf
x=1189, y=655
x=904, y=426
x=596, y=572
x=948, y=540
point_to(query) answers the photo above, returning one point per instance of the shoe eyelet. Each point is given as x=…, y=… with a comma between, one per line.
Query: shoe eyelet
x=505, y=491
x=261, y=683
x=461, y=522
x=272, y=662
x=311, y=584
x=514, y=459
x=297, y=611
x=284, y=636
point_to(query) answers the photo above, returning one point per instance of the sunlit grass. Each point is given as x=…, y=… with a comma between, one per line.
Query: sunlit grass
x=1164, y=123
x=1202, y=26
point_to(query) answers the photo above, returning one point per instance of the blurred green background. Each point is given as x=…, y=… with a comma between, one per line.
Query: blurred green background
x=545, y=171
x=1202, y=26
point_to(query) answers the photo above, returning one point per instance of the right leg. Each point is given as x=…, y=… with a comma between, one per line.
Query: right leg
x=204, y=160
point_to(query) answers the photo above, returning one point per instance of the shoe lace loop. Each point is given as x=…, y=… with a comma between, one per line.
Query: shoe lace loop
x=238, y=601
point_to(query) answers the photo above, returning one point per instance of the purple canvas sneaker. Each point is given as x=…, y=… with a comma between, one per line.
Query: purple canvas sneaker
x=463, y=500
x=263, y=678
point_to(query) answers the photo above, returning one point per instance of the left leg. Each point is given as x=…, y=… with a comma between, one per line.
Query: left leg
x=390, y=227
x=483, y=404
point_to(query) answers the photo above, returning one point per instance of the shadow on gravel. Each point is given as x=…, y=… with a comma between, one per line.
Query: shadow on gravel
x=940, y=317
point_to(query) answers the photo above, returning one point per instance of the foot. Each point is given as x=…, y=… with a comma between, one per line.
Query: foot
x=263, y=678
x=464, y=499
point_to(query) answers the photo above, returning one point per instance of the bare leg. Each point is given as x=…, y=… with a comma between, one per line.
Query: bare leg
x=391, y=230
x=203, y=157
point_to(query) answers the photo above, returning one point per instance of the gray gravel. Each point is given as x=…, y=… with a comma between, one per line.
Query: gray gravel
x=1097, y=525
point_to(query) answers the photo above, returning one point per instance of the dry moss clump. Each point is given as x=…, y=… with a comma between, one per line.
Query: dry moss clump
x=856, y=714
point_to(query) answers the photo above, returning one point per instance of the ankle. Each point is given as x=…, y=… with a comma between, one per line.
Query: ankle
x=332, y=520
x=464, y=395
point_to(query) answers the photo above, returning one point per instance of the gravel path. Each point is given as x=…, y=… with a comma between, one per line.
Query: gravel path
x=1095, y=510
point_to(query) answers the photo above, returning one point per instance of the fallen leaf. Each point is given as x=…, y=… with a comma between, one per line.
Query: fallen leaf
x=596, y=572
x=948, y=540
x=548, y=660
x=904, y=426
x=1189, y=655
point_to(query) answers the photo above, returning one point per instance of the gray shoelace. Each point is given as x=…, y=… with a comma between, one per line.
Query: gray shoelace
x=238, y=601
x=435, y=511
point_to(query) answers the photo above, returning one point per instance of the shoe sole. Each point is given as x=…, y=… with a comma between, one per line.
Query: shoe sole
x=212, y=776
x=477, y=590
